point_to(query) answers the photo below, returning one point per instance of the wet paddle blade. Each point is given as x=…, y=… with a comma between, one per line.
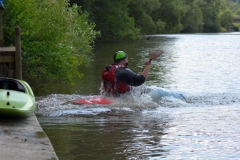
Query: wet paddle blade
x=155, y=54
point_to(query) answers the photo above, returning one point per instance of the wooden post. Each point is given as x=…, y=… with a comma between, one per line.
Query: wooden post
x=1, y=27
x=18, y=56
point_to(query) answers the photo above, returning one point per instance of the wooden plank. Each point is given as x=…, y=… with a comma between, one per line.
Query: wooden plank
x=8, y=49
x=7, y=54
x=7, y=59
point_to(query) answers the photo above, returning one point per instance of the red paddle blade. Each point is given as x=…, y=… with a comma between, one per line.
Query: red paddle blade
x=93, y=100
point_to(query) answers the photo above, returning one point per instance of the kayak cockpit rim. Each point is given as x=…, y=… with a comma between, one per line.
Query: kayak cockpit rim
x=12, y=84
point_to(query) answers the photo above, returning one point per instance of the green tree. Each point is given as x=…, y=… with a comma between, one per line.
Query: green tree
x=111, y=18
x=141, y=11
x=193, y=19
x=169, y=15
x=211, y=10
x=56, y=38
x=232, y=9
x=233, y=6
x=87, y=6
x=226, y=19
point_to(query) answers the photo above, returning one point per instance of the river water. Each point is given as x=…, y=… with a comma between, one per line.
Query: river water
x=203, y=67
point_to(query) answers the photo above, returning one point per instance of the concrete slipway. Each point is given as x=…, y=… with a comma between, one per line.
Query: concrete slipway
x=24, y=139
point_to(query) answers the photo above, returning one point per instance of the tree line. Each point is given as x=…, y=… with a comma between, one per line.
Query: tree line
x=127, y=19
x=58, y=35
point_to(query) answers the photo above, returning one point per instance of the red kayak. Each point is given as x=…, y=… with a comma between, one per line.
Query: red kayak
x=93, y=100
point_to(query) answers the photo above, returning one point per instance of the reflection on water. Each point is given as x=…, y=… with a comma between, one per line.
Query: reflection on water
x=204, y=133
x=203, y=67
x=109, y=137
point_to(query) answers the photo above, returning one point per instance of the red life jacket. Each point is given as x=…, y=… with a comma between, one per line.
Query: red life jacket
x=110, y=82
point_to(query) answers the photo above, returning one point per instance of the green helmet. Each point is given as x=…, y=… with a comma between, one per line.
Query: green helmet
x=119, y=55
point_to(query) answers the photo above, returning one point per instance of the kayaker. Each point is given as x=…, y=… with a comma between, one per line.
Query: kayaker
x=117, y=78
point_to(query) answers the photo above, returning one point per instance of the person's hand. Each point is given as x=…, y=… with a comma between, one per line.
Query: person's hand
x=147, y=63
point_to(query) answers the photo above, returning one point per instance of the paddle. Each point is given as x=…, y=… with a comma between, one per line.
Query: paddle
x=154, y=54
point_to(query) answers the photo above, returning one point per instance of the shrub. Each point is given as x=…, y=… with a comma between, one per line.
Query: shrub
x=55, y=38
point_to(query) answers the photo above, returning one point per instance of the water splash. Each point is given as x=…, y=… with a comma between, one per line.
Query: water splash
x=137, y=101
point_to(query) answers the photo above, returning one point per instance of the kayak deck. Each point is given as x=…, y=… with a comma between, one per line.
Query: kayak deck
x=16, y=98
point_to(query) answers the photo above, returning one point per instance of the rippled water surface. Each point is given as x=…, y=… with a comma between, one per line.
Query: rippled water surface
x=203, y=67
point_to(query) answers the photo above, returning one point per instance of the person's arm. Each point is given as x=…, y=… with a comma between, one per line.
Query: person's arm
x=146, y=69
x=129, y=77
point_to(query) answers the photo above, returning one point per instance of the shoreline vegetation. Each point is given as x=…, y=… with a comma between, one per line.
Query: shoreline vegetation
x=58, y=36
